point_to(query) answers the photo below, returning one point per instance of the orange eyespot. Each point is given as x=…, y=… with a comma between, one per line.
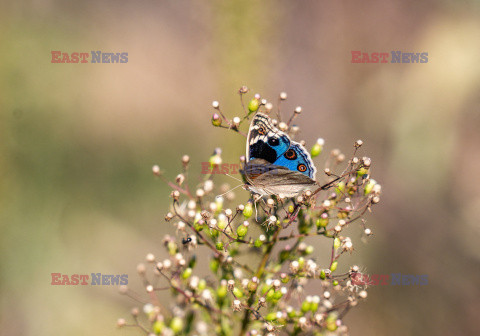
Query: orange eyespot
x=261, y=130
x=302, y=168
x=290, y=154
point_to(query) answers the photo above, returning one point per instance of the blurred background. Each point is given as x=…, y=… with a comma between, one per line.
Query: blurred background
x=77, y=142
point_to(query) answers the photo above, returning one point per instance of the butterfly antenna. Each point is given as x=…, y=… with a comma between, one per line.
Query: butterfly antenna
x=240, y=185
x=233, y=177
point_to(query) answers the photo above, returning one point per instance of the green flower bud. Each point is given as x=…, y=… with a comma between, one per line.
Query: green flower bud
x=237, y=292
x=270, y=294
x=157, y=327
x=322, y=221
x=331, y=322
x=213, y=233
x=242, y=230
x=301, y=262
x=172, y=248
x=317, y=148
x=271, y=316
x=336, y=243
x=248, y=210
x=335, y=282
x=202, y=284
x=292, y=313
x=305, y=306
x=291, y=208
x=277, y=295
x=334, y=266
x=176, y=324
x=369, y=187
x=219, y=245
x=253, y=105
x=222, y=292
x=340, y=189
x=216, y=120
x=258, y=243
x=198, y=226
x=362, y=171
x=214, y=264
x=323, y=275
x=187, y=273
x=252, y=286
x=309, y=249
x=221, y=224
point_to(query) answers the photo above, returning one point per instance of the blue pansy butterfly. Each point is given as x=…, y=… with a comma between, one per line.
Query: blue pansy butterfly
x=275, y=164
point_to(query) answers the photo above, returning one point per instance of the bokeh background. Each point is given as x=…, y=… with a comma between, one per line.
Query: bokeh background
x=77, y=142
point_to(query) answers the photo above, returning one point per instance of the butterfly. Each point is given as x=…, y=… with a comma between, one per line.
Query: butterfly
x=275, y=164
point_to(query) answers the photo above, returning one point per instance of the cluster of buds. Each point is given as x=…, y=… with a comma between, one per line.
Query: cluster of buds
x=260, y=262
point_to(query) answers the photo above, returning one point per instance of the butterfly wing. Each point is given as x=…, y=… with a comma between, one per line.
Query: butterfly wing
x=265, y=141
x=297, y=159
x=265, y=178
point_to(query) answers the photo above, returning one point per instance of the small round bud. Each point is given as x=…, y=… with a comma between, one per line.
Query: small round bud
x=368, y=232
x=363, y=294
x=243, y=90
x=150, y=258
x=175, y=195
x=168, y=217
x=179, y=179
x=200, y=193
x=216, y=120
x=236, y=122
x=237, y=305
x=366, y=162
x=283, y=126
x=149, y=288
x=215, y=104
x=185, y=159
x=156, y=170
x=272, y=220
x=141, y=269
x=121, y=322
x=294, y=265
x=298, y=110
x=268, y=107
x=358, y=143
x=283, y=95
